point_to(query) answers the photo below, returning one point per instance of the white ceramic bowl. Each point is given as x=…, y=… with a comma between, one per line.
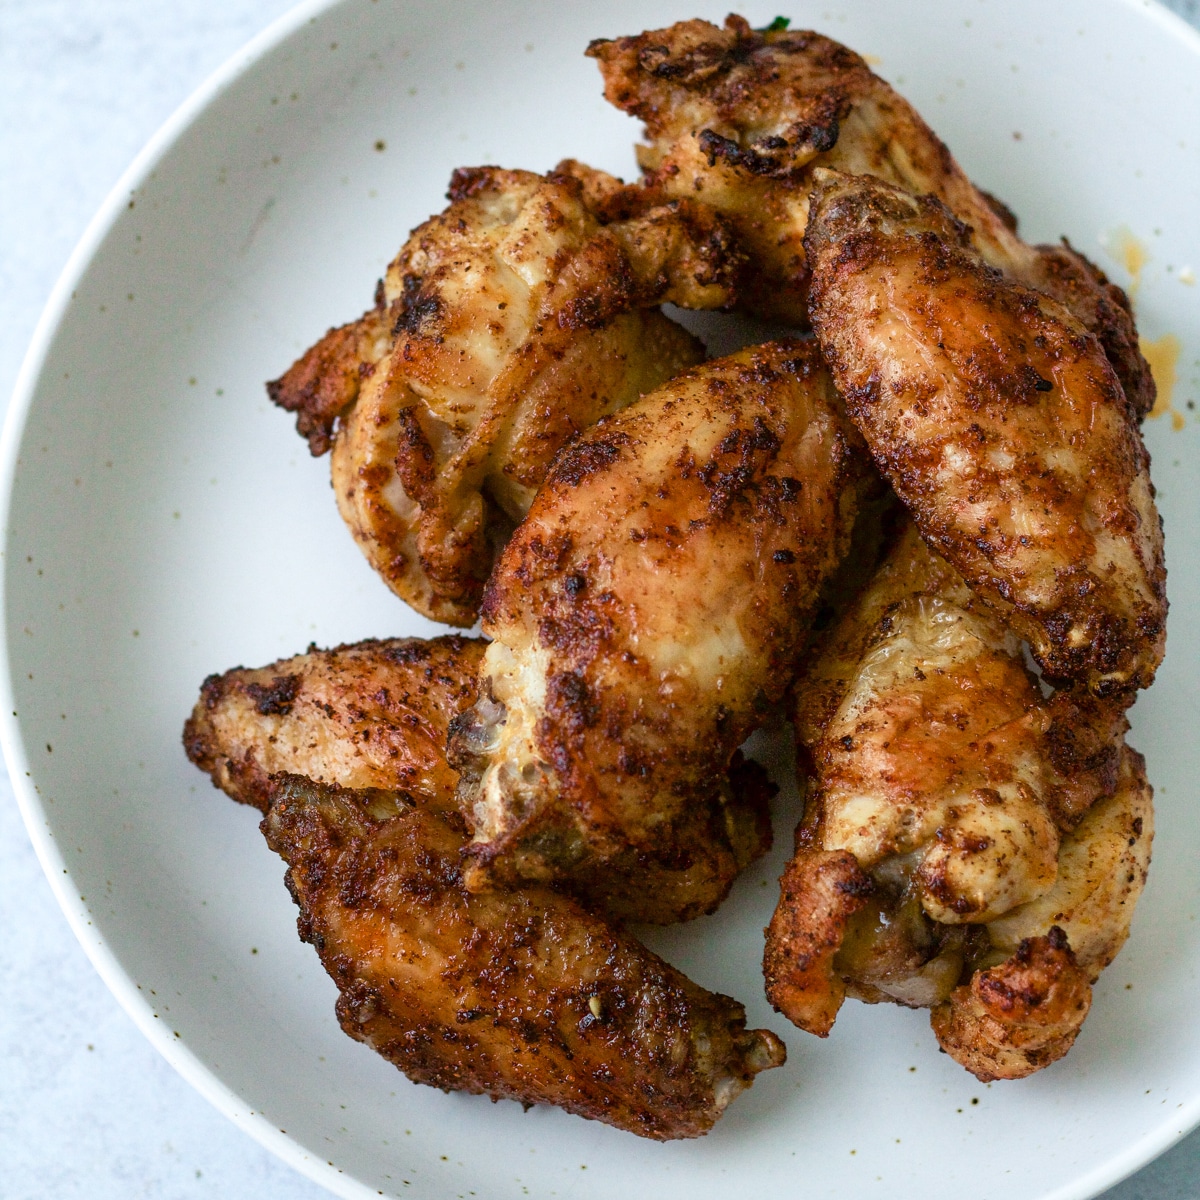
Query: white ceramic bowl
x=164, y=522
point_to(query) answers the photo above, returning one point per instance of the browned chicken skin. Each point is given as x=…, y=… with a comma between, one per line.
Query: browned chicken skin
x=968, y=844
x=507, y=324
x=521, y=995
x=1019, y=1016
x=741, y=118
x=648, y=614
x=370, y=715
x=376, y=715
x=999, y=422
x=326, y=379
x=524, y=994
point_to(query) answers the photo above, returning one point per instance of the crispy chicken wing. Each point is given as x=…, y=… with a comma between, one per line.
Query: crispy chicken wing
x=741, y=118
x=999, y=422
x=508, y=323
x=369, y=715
x=967, y=842
x=376, y=715
x=521, y=995
x=1012, y=1019
x=648, y=614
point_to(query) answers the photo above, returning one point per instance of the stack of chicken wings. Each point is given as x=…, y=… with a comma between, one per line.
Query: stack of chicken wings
x=921, y=526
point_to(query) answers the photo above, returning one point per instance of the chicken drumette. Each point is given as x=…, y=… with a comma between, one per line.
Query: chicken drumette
x=741, y=118
x=999, y=422
x=508, y=323
x=648, y=614
x=969, y=845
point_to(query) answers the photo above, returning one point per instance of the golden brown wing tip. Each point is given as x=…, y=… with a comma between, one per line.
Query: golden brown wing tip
x=819, y=892
x=754, y=1051
x=324, y=381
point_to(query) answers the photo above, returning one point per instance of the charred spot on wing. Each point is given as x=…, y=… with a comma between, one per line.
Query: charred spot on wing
x=1056, y=937
x=750, y=449
x=774, y=155
x=277, y=698
x=579, y=460
x=411, y=650
x=857, y=887
x=595, y=308
x=215, y=687
x=657, y=61
x=820, y=132
x=417, y=313
x=569, y=701
x=466, y=182
x=760, y=437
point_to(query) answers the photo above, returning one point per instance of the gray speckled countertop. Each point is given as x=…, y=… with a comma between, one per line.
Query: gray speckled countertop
x=87, y=1108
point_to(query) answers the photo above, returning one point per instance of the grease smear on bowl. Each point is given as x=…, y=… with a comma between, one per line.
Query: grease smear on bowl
x=1161, y=353
x=1124, y=246
x=1163, y=356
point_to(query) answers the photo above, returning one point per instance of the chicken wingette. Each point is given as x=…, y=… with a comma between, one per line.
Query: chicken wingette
x=376, y=715
x=968, y=845
x=999, y=422
x=741, y=118
x=507, y=323
x=522, y=995
x=649, y=613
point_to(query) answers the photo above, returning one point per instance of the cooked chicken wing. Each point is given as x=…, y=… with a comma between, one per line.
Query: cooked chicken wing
x=742, y=117
x=376, y=715
x=999, y=422
x=521, y=995
x=648, y=614
x=369, y=715
x=965, y=838
x=508, y=323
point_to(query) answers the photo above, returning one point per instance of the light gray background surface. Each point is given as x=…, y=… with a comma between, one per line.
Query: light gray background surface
x=87, y=1108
